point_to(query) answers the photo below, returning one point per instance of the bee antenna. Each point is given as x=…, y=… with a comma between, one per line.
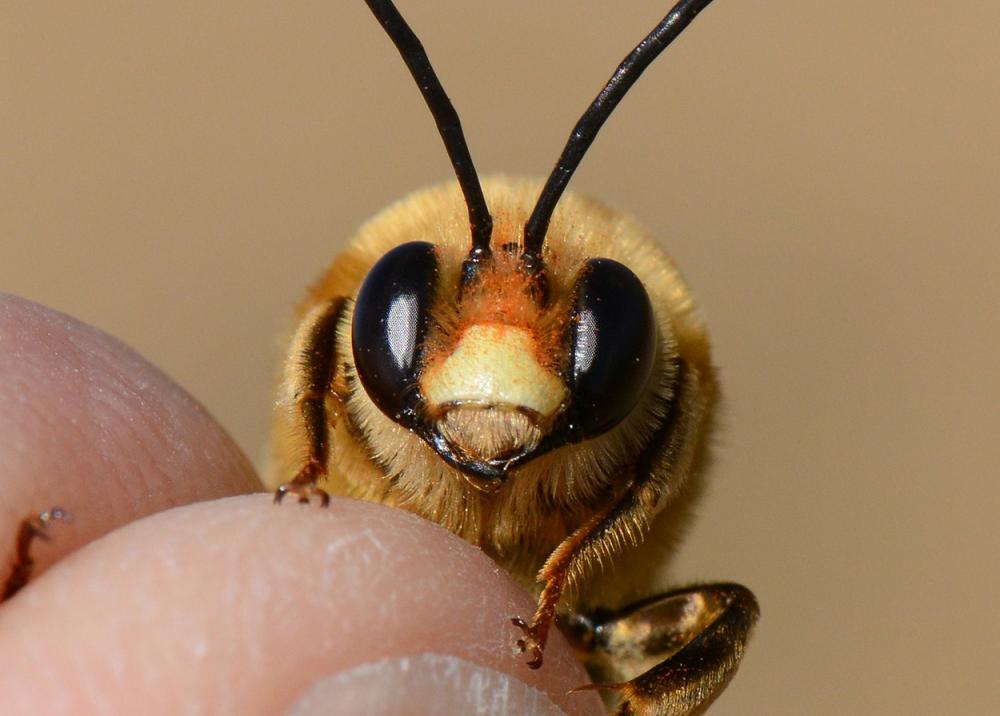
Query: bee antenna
x=448, y=124
x=593, y=119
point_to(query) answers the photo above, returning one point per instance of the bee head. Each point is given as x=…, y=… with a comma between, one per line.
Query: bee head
x=497, y=369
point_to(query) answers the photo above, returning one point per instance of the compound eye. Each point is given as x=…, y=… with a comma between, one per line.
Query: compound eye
x=613, y=346
x=390, y=321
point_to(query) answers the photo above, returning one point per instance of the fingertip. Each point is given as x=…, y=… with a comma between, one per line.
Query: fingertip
x=88, y=424
x=242, y=606
x=408, y=685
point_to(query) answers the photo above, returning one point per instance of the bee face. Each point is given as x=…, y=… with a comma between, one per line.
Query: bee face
x=490, y=382
x=498, y=368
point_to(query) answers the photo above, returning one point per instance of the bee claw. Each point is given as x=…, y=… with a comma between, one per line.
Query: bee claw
x=303, y=493
x=528, y=643
x=39, y=523
x=598, y=687
x=303, y=485
x=55, y=513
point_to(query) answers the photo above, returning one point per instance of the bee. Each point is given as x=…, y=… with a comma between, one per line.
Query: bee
x=527, y=368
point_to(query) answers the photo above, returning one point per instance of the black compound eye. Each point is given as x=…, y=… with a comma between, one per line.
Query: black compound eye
x=613, y=343
x=390, y=321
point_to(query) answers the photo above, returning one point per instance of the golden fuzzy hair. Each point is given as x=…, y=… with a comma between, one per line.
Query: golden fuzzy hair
x=520, y=524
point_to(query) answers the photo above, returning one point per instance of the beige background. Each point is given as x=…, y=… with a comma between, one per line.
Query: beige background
x=826, y=174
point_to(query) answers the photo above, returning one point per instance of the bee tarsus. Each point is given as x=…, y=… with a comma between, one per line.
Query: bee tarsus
x=304, y=486
x=31, y=529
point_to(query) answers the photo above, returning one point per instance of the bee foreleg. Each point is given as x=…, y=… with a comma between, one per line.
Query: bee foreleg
x=31, y=529
x=554, y=574
x=671, y=654
x=601, y=536
x=655, y=477
x=310, y=370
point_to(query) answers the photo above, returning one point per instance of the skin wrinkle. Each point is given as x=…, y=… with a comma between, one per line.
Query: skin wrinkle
x=74, y=364
x=295, y=598
x=120, y=393
x=87, y=424
x=35, y=425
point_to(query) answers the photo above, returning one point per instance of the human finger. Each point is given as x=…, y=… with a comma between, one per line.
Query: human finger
x=89, y=425
x=241, y=606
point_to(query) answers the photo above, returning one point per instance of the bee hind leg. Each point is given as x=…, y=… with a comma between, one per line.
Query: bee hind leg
x=669, y=655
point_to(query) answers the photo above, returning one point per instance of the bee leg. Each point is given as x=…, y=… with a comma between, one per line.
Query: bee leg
x=553, y=575
x=669, y=655
x=31, y=529
x=309, y=374
x=710, y=625
x=656, y=476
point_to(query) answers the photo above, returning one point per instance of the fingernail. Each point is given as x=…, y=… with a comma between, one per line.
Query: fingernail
x=421, y=684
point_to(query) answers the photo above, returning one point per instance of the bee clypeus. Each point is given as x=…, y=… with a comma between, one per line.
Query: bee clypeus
x=527, y=369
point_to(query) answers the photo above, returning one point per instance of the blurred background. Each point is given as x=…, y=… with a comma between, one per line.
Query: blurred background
x=827, y=175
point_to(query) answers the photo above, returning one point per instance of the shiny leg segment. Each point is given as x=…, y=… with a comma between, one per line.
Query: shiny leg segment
x=670, y=655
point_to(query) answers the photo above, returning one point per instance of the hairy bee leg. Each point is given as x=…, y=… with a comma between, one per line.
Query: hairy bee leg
x=669, y=453
x=553, y=574
x=684, y=645
x=309, y=375
x=31, y=529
